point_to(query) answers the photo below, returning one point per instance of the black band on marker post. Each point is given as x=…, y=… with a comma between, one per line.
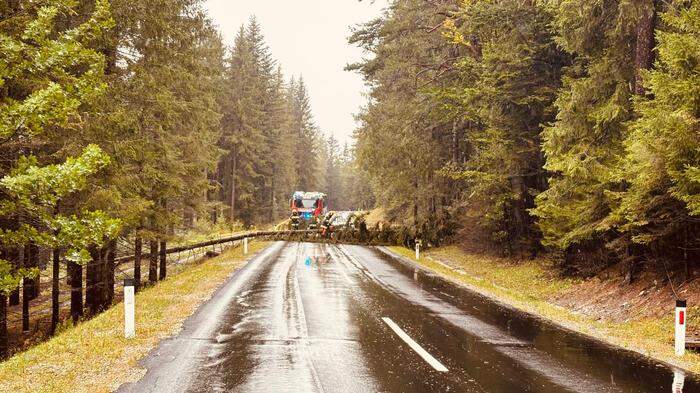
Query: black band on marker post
x=128, y=282
x=681, y=303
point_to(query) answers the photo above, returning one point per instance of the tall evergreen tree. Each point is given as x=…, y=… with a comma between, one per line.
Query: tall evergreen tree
x=333, y=186
x=243, y=138
x=308, y=140
x=584, y=146
x=510, y=84
x=282, y=142
x=659, y=210
x=400, y=140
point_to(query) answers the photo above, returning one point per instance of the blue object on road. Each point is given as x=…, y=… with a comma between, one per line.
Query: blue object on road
x=308, y=261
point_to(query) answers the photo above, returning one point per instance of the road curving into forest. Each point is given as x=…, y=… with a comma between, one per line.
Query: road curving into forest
x=303, y=317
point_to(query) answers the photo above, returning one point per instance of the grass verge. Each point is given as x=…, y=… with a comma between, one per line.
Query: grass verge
x=95, y=357
x=531, y=286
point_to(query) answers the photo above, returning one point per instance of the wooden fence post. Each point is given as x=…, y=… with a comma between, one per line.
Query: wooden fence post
x=153, y=262
x=138, y=248
x=163, y=260
x=26, y=288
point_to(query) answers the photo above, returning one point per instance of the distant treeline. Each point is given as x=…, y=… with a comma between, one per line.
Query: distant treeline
x=562, y=125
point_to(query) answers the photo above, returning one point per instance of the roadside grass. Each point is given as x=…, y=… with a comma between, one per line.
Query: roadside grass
x=531, y=285
x=95, y=357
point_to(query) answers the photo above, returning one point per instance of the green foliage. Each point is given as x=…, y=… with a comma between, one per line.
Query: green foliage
x=58, y=71
x=305, y=133
x=10, y=277
x=455, y=115
x=47, y=75
x=270, y=143
x=32, y=194
x=161, y=114
x=34, y=187
x=403, y=136
x=529, y=119
x=584, y=144
x=662, y=151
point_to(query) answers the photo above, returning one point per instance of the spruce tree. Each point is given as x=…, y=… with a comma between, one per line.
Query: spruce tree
x=661, y=164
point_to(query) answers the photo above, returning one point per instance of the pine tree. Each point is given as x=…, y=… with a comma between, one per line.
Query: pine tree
x=282, y=142
x=584, y=145
x=243, y=138
x=509, y=84
x=333, y=182
x=658, y=211
x=400, y=138
x=160, y=118
x=307, y=138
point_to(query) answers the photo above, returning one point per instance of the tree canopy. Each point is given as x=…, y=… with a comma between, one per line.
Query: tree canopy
x=560, y=125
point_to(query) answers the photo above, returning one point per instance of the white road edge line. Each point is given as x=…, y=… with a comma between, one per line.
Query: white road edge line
x=415, y=346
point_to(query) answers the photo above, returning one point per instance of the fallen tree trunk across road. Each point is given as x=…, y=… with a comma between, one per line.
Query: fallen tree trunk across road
x=223, y=240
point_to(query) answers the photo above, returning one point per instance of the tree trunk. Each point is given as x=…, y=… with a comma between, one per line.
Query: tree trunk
x=26, y=288
x=55, y=281
x=91, y=281
x=138, y=249
x=519, y=210
x=212, y=195
x=273, y=207
x=110, y=266
x=163, y=260
x=188, y=218
x=232, y=202
x=75, y=275
x=415, y=203
x=644, y=52
x=3, y=326
x=95, y=282
x=455, y=144
x=14, y=257
x=153, y=265
x=34, y=283
x=14, y=297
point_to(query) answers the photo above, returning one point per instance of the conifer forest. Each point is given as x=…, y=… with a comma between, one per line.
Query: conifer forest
x=558, y=130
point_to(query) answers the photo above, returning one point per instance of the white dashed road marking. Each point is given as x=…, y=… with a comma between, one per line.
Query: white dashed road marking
x=414, y=345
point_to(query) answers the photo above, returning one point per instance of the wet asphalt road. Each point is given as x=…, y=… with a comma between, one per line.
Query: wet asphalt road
x=302, y=317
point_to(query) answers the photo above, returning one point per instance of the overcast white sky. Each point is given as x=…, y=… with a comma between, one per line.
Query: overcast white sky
x=309, y=37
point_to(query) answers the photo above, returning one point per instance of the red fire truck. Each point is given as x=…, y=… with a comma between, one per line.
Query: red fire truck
x=308, y=208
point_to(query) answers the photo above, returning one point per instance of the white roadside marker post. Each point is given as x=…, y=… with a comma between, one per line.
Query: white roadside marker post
x=245, y=246
x=417, y=250
x=680, y=327
x=678, y=381
x=129, y=303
